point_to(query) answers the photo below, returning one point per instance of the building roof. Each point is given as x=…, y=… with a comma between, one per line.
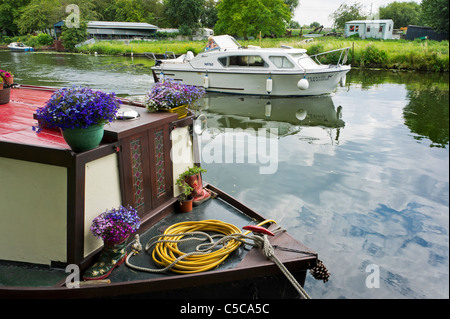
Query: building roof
x=370, y=21
x=121, y=25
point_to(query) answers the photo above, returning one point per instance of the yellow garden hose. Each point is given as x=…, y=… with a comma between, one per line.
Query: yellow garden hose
x=167, y=254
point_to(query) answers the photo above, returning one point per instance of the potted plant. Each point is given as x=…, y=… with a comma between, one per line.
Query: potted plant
x=5, y=90
x=80, y=113
x=185, y=198
x=114, y=227
x=7, y=76
x=172, y=96
x=191, y=182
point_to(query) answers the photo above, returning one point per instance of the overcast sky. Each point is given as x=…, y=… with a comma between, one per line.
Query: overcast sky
x=319, y=10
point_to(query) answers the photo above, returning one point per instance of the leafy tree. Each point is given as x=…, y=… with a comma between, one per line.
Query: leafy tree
x=87, y=10
x=73, y=36
x=250, y=17
x=435, y=14
x=292, y=4
x=9, y=15
x=402, y=13
x=37, y=15
x=156, y=9
x=34, y=15
x=294, y=25
x=347, y=13
x=314, y=25
x=185, y=14
x=126, y=11
x=209, y=14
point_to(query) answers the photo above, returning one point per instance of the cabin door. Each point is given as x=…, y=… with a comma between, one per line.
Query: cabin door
x=146, y=169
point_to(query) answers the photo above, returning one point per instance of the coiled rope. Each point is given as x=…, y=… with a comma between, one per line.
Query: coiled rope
x=167, y=255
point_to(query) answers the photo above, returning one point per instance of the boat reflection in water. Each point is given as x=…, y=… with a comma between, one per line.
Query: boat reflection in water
x=288, y=115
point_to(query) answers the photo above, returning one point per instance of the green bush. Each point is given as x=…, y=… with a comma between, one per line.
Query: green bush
x=373, y=56
x=44, y=39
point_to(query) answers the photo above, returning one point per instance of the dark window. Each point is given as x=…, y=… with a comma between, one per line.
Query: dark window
x=243, y=60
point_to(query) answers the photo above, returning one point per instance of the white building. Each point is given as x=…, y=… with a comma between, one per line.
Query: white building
x=377, y=29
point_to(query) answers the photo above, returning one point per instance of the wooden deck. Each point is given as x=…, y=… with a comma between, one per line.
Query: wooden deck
x=16, y=119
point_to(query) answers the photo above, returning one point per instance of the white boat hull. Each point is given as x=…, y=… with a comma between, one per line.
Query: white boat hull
x=19, y=47
x=230, y=68
x=283, y=84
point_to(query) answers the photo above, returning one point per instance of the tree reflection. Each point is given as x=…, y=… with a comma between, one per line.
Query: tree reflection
x=427, y=115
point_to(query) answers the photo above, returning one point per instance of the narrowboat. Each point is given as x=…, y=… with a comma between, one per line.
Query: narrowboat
x=51, y=194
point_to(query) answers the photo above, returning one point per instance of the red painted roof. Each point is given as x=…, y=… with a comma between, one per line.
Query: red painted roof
x=16, y=119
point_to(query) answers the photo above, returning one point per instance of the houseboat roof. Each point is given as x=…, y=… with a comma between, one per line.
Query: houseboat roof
x=17, y=120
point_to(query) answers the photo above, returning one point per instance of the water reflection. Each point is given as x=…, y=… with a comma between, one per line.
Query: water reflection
x=290, y=116
x=427, y=115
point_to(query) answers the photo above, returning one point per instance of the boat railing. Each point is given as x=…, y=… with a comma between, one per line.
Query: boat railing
x=167, y=54
x=150, y=55
x=343, y=56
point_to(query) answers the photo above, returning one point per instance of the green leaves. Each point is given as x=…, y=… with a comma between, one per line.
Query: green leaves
x=245, y=18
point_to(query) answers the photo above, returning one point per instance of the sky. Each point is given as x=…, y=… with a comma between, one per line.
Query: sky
x=319, y=10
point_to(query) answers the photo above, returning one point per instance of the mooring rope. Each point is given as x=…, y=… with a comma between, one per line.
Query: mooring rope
x=167, y=255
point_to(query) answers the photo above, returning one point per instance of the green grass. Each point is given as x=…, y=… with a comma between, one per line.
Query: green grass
x=386, y=54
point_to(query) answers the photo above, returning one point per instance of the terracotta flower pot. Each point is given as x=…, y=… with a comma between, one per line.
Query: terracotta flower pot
x=186, y=205
x=10, y=80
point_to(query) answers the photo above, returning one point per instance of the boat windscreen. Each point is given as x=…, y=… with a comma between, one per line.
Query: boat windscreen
x=304, y=61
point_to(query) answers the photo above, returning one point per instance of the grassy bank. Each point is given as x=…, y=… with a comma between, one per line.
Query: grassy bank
x=386, y=54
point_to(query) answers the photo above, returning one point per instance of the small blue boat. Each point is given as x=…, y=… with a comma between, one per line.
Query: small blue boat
x=19, y=46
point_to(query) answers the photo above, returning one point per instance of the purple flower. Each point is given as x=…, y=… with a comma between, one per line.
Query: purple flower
x=77, y=107
x=169, y=93
x=116, y=224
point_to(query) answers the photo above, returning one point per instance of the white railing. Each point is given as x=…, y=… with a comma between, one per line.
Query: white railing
x=344, y=52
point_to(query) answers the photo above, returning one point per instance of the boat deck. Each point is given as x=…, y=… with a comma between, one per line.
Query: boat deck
x=243, y=268
x=244, y=264
x=16, y=119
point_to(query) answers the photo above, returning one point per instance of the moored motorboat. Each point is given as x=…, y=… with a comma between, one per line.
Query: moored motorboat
x=227, y=67
x=20, y=47
x=50, y=195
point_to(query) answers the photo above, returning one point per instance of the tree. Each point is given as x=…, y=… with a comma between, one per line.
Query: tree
x=37, y=15
x=250, y=17
x=43, y=14
x=185, y=14
x=402, y=13
x=9, y=15
x=126, y=11
x=292, y=4
x=347, y=13
x=294, y=25
x=435, y=14
x=314, y=25
x=209, y=14
x=73, y=36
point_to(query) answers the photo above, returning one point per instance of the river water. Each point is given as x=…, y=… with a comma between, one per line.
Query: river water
x=360, y=176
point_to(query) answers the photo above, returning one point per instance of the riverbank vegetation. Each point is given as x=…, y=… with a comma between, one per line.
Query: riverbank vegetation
x=388, y=54
x=245, y=19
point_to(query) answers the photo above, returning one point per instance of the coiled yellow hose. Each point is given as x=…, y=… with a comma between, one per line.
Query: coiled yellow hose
x=165, y=253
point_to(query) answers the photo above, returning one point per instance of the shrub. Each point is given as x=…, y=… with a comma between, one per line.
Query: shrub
x=373, y=56
x=44, y=39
